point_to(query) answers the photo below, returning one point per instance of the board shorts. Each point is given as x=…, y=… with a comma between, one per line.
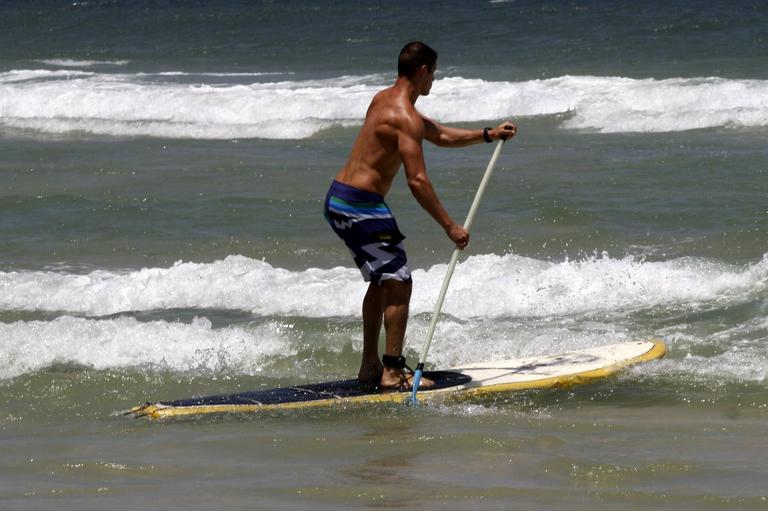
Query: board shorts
x=365, y=223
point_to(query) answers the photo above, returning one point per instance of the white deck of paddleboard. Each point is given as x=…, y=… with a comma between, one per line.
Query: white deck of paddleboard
x=561, y=365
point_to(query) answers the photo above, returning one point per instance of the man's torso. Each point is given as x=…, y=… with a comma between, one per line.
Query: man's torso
x=374, y=160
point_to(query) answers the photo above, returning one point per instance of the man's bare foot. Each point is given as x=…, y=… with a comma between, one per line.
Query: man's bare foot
x=397, y=379
x=370, y=373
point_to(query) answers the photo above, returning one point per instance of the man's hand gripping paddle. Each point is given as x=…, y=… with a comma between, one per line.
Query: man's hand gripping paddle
x=454, y=258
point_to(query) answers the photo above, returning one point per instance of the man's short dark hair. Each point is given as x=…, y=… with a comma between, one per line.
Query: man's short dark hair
x=413, y=56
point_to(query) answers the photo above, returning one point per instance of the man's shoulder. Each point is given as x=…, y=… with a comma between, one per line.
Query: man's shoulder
x=391, y=98
x=393, y=109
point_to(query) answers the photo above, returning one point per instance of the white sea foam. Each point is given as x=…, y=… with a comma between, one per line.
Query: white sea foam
x=739, y=356
x=127, y=343
x=82, y=63
x=65, y=101
x=489, y=286
x=197, y=348
x=31, y=75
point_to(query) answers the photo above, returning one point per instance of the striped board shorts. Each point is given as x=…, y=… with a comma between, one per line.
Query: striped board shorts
x=365, y=223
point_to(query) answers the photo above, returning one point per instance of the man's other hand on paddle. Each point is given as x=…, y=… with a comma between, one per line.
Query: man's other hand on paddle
x=458, y=235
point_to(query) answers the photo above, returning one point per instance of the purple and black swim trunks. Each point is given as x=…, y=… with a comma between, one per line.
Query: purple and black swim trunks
x=365, y=223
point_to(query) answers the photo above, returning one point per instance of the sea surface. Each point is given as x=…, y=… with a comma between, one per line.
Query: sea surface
x=162, y=171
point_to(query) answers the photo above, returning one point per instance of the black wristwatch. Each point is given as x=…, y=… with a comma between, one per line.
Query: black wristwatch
x=487, y=137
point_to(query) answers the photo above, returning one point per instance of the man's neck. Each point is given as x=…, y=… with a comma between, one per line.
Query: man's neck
x=407, y=87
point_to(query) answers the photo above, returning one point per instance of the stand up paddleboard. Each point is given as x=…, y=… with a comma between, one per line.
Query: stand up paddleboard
x=486, y=378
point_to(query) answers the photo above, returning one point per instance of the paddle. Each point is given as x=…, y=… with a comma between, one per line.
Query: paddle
x=454, y=258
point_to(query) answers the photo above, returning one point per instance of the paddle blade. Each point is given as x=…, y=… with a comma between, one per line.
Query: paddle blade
x=416, y=382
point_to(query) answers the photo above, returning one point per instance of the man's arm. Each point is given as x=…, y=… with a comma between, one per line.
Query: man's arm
x=445, y=136
x=409, y=146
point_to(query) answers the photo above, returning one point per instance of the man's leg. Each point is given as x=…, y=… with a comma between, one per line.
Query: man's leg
x=397, y=297
x=373, y=308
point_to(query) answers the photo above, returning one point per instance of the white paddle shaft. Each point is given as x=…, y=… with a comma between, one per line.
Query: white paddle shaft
x=455, y=256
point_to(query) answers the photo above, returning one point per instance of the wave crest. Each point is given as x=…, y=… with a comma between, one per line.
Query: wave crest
x=163, y=105
x=483, y=286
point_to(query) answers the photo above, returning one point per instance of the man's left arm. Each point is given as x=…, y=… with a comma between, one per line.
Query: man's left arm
x=445, y=136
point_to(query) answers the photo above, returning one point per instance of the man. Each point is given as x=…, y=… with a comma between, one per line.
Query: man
x=392, y=135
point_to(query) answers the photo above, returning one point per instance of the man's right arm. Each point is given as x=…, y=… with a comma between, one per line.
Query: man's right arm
x=409, y=145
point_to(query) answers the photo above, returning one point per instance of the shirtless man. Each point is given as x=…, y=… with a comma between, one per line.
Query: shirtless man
x=392, y=135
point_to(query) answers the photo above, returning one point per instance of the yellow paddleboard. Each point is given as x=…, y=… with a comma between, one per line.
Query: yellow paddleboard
x=479, y=379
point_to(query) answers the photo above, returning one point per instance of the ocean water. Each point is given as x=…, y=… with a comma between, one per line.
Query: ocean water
x=162, y=172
